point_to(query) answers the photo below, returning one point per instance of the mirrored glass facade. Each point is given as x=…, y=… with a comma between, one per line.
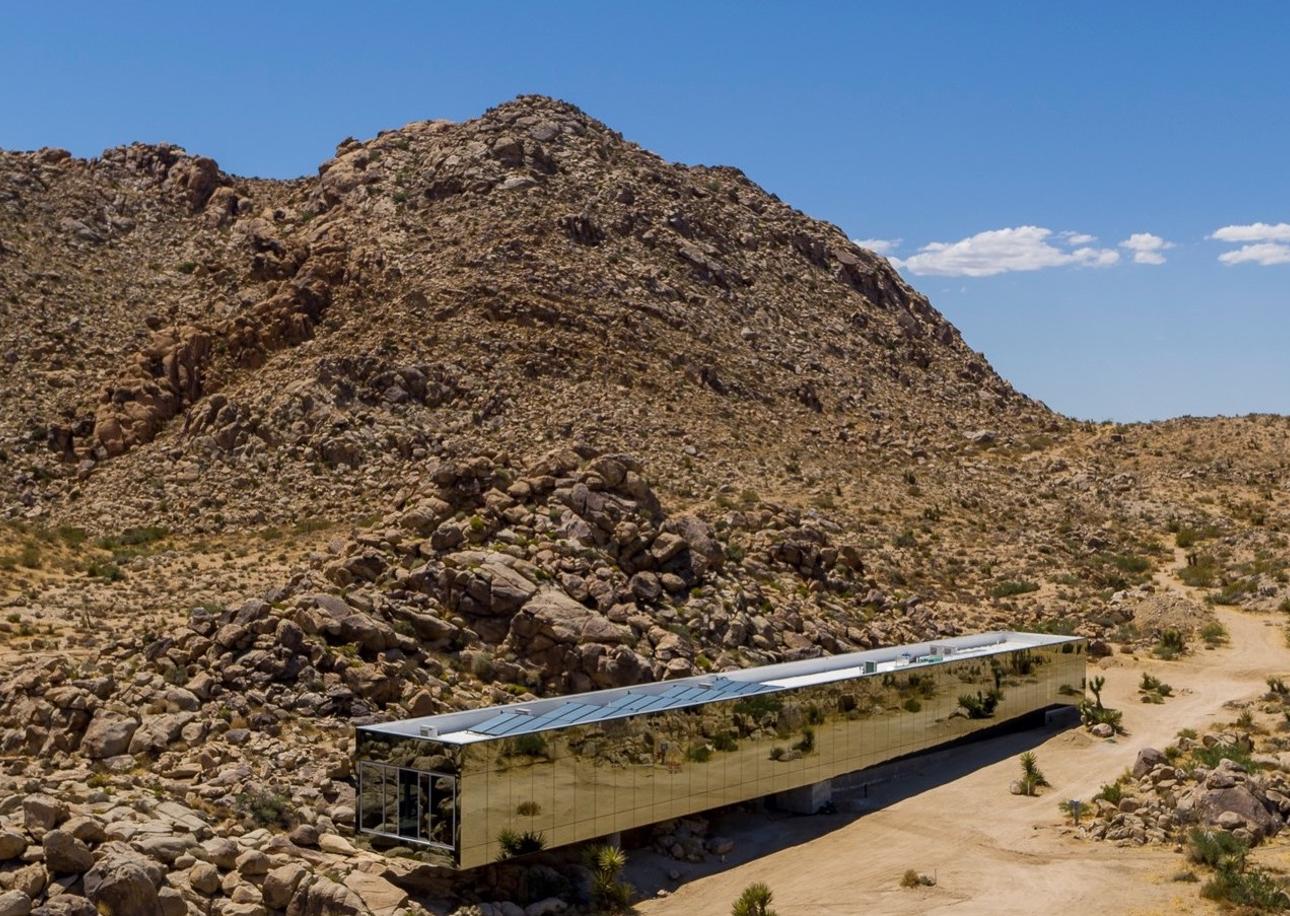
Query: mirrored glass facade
x=465, y=789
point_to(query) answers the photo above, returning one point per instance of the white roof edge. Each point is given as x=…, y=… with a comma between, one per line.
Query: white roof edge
x=454, y=727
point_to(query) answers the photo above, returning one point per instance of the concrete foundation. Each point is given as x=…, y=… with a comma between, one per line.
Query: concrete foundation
x=805, y=800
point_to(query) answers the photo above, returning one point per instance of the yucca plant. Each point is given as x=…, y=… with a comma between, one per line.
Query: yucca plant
x=754, y=901
x=611, y=894
x=1032, y=778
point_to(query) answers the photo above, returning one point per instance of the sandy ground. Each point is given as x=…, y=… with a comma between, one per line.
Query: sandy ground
x=991, y=852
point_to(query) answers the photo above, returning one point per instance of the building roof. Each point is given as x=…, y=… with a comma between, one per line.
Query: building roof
x=497, y=722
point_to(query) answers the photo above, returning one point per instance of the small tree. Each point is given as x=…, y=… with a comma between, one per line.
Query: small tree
x=1096, y=684
x=754, y=901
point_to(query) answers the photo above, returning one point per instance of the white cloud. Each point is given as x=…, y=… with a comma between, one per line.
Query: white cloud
x=1265, y=243
x=1146, y=248
x=1078, y=238
x=1264, y=254
x=883, y=247
x=1000, y=251
x=1253, y=232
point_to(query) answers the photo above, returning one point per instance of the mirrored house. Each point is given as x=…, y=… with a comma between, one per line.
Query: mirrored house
x=467, y=788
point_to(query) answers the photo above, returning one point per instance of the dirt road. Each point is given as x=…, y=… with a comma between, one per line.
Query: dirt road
x=994, y=853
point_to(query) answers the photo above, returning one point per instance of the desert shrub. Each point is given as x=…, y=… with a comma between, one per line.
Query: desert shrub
x=1093, y=714
x=71, y=535
x=1214, y=848
x=1170, y=645
x=528, y=809
x=1112, y=792
x=699, y=753
x=1211, y=756
x=109, y=572
x=777, y=753
x=263, y=807
x=530, y=745
x=1251, y=888
x=132, y=537
x=912, y=705
x=1203, y=572
x=520, y=843
x=1213, y=633
x=807, y=743
x=1011, y=587
x=979, y=705
x=754, y=901
x=911, y=878
x=725, y=741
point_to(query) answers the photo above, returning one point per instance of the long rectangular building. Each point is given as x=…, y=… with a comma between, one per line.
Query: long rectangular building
x=467, y=788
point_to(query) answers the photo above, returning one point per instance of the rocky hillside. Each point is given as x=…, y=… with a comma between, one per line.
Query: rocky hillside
x=511, y=283
x=484, y=411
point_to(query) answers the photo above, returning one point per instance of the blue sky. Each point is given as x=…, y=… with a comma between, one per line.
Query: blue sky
x=928, y=123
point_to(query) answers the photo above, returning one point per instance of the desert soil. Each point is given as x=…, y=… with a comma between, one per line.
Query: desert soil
x=994, y=853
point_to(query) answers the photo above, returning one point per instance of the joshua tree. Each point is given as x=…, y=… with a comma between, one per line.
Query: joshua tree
x=754, y=901
x=1096, y=684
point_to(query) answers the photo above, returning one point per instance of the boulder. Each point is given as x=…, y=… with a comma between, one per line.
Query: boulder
x=66, y=855
x=124, y=883
x=377, y=894
x=280, y=884
x=204, y=878
x=1232, y=807
x=41, y=813
x=14, y=903
x=108, y=735
x=1148, y=759
x=12, y=845
x=324, y=897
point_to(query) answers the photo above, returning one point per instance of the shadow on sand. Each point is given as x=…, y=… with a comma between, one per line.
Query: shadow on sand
x=757, y=829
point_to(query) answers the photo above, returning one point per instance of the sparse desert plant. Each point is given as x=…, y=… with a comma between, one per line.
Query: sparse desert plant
x=913, y=878
x=754, y=901
x=1092, y=714
x=1170, y=645
x=1010, y=587
x=1112, y=792
x=1213, y=633
x=519, y=843
x=979, y=705
x=1032, y=778
x=1153, y=690
x=609, y=892
x=1072, y=808
x=1277, y=687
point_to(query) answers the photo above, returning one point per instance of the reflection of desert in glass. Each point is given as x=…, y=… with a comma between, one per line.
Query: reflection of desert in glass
x=563, y=785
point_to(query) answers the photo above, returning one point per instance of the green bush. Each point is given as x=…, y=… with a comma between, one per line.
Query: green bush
x=1253, y=888
x=1112, y=792
x=1213, y=633
x=1237, y=753
x=1092, y=714
x=1012, y=587
x=699, y=753
x=980, y=706
x=1170, y=645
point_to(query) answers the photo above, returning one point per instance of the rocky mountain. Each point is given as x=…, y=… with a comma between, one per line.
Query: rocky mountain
x=482, y=411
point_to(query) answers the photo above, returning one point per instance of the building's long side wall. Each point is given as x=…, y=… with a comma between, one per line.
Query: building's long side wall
x=588, y=781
